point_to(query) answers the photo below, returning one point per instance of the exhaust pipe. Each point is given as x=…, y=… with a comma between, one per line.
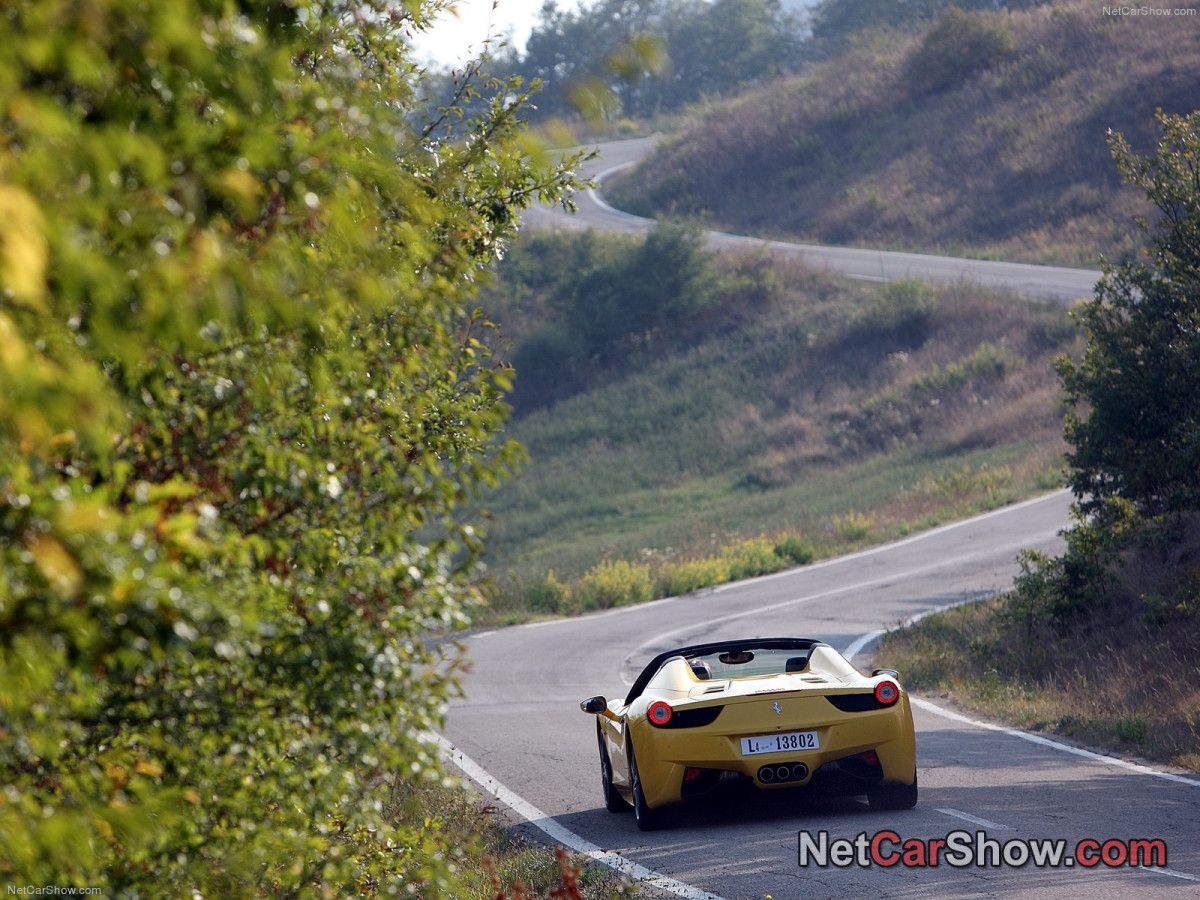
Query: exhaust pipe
x=783, y=772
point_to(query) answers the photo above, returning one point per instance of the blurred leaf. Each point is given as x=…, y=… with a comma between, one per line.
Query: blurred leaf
x=23, y=252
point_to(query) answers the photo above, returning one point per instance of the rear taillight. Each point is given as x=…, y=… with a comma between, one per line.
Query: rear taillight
x=659, y=713
x=887, y=693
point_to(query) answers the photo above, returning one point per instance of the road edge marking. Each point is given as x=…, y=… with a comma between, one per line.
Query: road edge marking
x=974, y=820
x=560, y=833
x=1040, y=740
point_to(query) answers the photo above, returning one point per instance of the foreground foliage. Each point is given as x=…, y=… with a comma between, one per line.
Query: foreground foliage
x=243, y=406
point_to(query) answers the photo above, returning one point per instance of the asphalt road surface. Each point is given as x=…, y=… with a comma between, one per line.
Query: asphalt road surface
x=519, y=733
x=1039, y=282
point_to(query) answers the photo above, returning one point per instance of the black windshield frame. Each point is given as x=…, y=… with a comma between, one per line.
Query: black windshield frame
x=652, y=667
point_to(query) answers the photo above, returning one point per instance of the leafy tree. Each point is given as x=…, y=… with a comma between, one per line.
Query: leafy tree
x=1135, y=424
x=244, y=403
x=653, y=284
x=715, y=47
x=637, y=57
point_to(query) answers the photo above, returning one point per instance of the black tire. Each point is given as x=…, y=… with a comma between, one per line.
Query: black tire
x=647, y=819
x=613, y=801
x=894, y=796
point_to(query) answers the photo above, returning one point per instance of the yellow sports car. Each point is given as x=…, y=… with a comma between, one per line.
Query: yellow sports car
x=784, y=712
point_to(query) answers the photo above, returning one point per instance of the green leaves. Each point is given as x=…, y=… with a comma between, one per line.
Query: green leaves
x=1135, y=424
x=244, y=408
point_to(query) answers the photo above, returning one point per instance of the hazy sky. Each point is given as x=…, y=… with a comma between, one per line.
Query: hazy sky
x=457, y=37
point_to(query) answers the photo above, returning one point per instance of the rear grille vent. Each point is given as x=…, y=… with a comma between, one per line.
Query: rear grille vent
x=854, y=702
x=694, y=718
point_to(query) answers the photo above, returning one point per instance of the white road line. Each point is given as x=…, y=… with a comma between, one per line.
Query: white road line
x=974, y=820
x=564, y=836
x=854, y=649
x=902, y=542
x=1158, y=870
x=1052, y=744
x=1038, y=739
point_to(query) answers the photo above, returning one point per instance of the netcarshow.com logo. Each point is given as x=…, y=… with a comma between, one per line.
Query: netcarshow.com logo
x=960, y=849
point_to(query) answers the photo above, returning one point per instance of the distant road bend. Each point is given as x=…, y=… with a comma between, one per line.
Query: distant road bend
x=1035, y=282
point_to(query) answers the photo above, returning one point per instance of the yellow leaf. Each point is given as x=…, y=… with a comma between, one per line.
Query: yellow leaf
x=12, y=348
x=56, y=563
x=106, y=830
x=23, y=251
x=145, y=767
x=241, y=187
x=117, y=775
x=86, y=516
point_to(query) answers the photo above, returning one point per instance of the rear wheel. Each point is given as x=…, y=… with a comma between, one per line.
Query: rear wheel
x=647, y=819
x=894, y=796
x=613, y=801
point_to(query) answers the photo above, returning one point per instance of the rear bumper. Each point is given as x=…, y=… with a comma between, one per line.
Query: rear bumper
x=664, y=755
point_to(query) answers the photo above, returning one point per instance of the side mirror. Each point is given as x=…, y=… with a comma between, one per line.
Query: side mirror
x=891, y=672
x=595, y=705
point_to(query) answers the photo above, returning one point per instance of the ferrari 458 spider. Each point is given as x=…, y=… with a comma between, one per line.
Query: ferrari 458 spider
x=784, y=712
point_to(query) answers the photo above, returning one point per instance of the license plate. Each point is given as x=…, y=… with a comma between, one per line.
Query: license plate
x=780, y=743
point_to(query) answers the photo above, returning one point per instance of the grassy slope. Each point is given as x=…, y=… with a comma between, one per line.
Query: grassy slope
x=1010, y=162
x=844, y=413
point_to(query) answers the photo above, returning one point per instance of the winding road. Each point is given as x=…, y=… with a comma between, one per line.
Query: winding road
x=1039, y=282
x=519, y=734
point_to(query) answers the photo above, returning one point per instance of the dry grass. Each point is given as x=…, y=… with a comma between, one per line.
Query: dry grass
x=1122, y=675
x=1009, y=162
x=493, y=862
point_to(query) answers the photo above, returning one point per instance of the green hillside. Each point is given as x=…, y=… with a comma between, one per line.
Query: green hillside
x=983, y=135
x=794, y=406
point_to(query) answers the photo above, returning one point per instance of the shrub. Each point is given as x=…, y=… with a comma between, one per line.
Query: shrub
x=749, y=559
x=679, y=578
x=794, y=550
x=244, y=408
x=854, y=526
x=1130, y=731
x=960, y=44
x=547, y=595
x=614, y=583
x=899, y=313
